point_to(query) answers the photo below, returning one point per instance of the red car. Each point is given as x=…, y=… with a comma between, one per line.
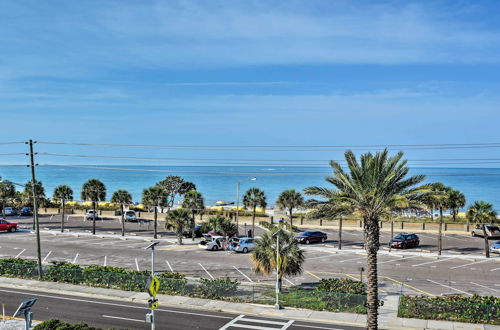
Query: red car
x=8, y=226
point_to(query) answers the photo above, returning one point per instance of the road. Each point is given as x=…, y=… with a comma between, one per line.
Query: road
x=126, y=315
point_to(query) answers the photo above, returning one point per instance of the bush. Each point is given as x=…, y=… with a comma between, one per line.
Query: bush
x=475, y=309
x=64, y=272
x=18, y=267
x=55, y=324
x=341, y=285
x=218, y=288
x=267, y=225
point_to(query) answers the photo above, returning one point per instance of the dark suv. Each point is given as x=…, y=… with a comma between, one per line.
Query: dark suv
x=405, y=240
x=311, y=237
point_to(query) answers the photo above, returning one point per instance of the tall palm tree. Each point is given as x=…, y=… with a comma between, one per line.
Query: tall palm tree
x=290, y=258
x=177, y=220
x=253, y=198
x=123, y=198
x=63, y=193
x=38, y=194
x=373, y=186
x=456, y=201
x=438, y=194
x=152, y=197
x=482, y=212
x=93, y=191
x=290, y=199
x=193, y=201
x=7, y=193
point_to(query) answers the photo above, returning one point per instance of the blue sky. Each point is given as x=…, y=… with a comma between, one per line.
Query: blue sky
x=250, y=73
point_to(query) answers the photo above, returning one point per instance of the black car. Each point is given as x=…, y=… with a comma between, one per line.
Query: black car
x=197, y=232
x=405, y=240
x=311, y=236
x=26, y=211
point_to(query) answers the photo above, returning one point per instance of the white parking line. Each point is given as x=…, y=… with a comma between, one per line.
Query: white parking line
x=450, y=287
x=359, y=258
x=76, y=257
x=136, y=264
x=431, y=262
x=105, y=261
x=206, y=271
x=492, y=270
x=19, y=254
x=48, y=254
x=293, y=284
x=248, y=278
x=472, y=263
x=171, y=269
x=399, y=259
x=485, y=287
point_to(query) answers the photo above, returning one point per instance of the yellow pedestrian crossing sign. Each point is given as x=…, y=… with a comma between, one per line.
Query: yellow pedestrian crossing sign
x=153, y=303
x=153, y=286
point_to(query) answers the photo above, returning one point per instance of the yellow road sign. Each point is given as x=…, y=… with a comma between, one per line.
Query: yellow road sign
x=153, y=303
x=153, y=286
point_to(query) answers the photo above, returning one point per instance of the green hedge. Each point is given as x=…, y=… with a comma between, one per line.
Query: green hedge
x=218, y=288
x=475, y=309
x=55, y=324
x=341, y=285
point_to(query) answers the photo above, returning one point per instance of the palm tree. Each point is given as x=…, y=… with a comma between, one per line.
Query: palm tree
x=177, y=220
x=7, y=193
x=290, y=199
x=373, y=186
x=456, y=201
x=439, y=195
x=94, y=191
x=172, y=186
x=38, y=194
x=264, y=259
x=254, y=197
x=152, y=197
x=482, y=212
x=193, y=201
x=123, y=198
x=63, y=193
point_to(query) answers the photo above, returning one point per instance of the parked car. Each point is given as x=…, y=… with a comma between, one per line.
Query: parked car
x=242, y=244
x=197, y=232
x=212, y=243
x=90, y=215
x=130, y=216
x=26, y=211
x=495, y=247
x=311, y=236
x=9, y=211
x=491, y=231
x=7, y=226
x=405, y=240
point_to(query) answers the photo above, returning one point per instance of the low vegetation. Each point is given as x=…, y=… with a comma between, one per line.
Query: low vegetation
x=55, y=324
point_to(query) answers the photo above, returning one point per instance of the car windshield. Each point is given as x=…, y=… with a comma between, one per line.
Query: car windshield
x=308, y=233
x=401, y=237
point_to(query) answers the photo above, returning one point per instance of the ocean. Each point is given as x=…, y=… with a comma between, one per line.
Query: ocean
x=219, y=182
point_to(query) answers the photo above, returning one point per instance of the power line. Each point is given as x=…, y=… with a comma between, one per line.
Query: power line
x=5, y=143
x=14, y=154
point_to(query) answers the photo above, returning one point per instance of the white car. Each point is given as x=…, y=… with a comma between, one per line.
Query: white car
x=90, y=215
x=130, y=216
x=10, y=211
x=212, y=243
x=243, y=244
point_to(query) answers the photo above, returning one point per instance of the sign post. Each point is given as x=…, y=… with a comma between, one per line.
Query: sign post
x=152, y=288
x=24, y=310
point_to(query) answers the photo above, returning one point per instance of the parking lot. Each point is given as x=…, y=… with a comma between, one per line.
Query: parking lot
x=461, y=268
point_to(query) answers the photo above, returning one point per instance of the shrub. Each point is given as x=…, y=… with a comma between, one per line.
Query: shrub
x=218, y=288
x=64, y=272
x=341, y=285
x=18, y=267
x=55, y=324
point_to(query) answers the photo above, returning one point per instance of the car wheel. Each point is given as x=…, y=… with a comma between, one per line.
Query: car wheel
x=323, y=240
x=13, y=229
x=307, y=241
x=473, y=234
x=214, y=248
x=403, y=246
x=245, y=250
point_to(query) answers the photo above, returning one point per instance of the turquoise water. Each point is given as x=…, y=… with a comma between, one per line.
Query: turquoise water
x=219, y=182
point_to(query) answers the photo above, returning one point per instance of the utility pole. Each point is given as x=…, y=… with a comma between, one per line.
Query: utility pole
x=237, y=208
x=36, y=223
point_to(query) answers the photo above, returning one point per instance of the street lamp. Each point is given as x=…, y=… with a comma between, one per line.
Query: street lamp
x=238, y=205
x=36, y=222
x=277, y=303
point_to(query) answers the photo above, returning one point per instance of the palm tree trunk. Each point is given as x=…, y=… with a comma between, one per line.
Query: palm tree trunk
x=3, y=210
x=63, y=213
x=123, y=220
x=340, y=233
x=155, y=235
x=93, y=218
x=193, y=224
x=440, y=235
x=179, y=236
x=291, y=222
x=454, y=215
x=372, y=235
x=253, y=221
x=486, y=244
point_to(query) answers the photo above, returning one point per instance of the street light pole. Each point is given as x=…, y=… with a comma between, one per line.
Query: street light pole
x=35, y=210
x=277, y=303
x=237, y=208
x=152, y=247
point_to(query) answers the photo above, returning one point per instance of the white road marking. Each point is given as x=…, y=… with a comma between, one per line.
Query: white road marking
x=450, y=287
x=239, y=271
x=399, y=259
x=485, y=287
x=76, y=257
x=346, y=260
x=122, y=318
x=431, y=262
x=105, y=261
x=206, y=271
x=230, y=323
x=136, y=264
x=325, y=256
x=472, y=263
x=171, y=269
x=293, y=284
x=48, y=254
x=19, y=254
x=494, y=269
x=234, y=324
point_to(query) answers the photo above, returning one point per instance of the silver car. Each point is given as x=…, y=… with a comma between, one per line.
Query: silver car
x=244, y=244
x=10, y=211
x=130, y=216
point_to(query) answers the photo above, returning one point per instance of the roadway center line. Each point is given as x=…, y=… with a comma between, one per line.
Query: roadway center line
x=122, y=318
x=239, y=271
x=472, y=263
x=431, y=262
x=206, y=271
x=168, y=264
x=19, y=254
x=136, y=264
x=449, y=287
x=48, y=254
x=485, y=287
x=404, y=258
x=76, y=257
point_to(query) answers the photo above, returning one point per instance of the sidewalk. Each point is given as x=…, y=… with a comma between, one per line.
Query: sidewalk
x=388, y=313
